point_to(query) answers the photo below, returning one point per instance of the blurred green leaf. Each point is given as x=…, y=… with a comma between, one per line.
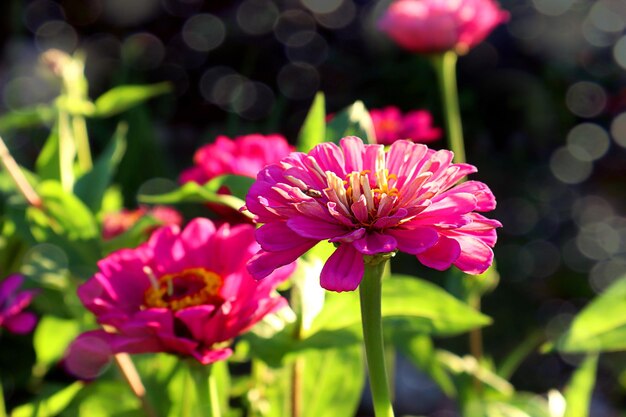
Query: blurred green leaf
x=601, y=325
x=510, y=364
x=313, y=131
x=419, y=349
x=75, y=106
x=48, y=162
x=578, y=391
x=26, y=117
x=49, y=404
x=134, y=236
x=124, y=97
x=195, y=193
x=519, y=405
x=469, y=366
x=52, y=336
x=237, y=185
x=106, y=399
x=354, y=120
x=91, y=187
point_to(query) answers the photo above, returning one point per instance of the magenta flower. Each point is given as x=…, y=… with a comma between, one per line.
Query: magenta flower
x=184, y=292
x=432, y=26
x=13, y=302
x=390, y=125
x=369, y=202
x=245, y=155
x=114, y=224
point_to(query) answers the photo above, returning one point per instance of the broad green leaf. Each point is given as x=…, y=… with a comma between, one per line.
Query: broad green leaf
x=52, y=336
x=354, y=120
x=419, y=349
x=601, y=325
x=578, y=391
x=91, y=187
x=124, y=97
x=195, y=193
x=106, y=399
x=409, y=302
x=48, y=165
x=49, y=405
x=26, y=117
x=313, y=131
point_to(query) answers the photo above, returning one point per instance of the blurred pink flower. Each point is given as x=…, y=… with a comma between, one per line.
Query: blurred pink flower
x=390, y=125
x=114, y=224
x=368, y=202
x=431, y=26
x=13, y=302
x=184, y=292
x=245, y=155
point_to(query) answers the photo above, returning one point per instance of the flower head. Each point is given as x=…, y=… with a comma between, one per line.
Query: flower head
x=114, y=224
x=431, y=26
x=390, y=125
x=245, y=155
x=370, y=202
x=184, y=292
x=13, y=302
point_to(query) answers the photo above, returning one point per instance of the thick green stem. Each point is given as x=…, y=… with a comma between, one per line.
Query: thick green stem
x=207, y=398
x=445, y=67
x=370, y=294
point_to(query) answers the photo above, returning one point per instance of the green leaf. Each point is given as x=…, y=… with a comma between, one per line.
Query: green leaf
x=134, y=236
x=313, y=131
x=48, y=165
x=124, y=97
x=354, y=120
x=519, y=405
x=601, y=325
x=237, y=185
x=49, y=405
x=578, y=391
x=52, y=336
x=408, y=302
x=195, y=193
x=91, y=187
x=26, y=117
x=510, y=364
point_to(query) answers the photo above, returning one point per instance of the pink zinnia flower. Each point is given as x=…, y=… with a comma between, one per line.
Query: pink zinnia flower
x=390, y=125
x=114, y=224
x=432, y=26
x=13, y=302
x=245, y=155
x=184, y=292
x=369, y=202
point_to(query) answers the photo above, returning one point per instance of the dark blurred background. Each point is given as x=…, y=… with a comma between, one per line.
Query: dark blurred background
x=543, y=103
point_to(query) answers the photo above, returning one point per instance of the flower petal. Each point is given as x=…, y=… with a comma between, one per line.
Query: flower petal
x=374, y=243
x=264, y=263
x=314, y=228
x=415, y=240
x=441, y=255
x=343, y=270
x=475, y=255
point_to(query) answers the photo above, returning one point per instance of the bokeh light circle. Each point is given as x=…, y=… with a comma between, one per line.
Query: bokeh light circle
x=588, y=141
x=204, y=32
x=569, y=169
x=586, y=99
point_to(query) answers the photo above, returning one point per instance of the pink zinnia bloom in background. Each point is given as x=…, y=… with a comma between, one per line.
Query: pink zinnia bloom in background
x=390, y=125
x=244, y=155
x=184, y=292
x=116, y=223
x=13, y=302
x=432, y=26
x=369, y=202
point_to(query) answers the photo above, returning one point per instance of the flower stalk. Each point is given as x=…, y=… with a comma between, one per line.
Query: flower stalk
x=445, y=68
x=207, y=398
x=370, y=292
x=18, y=176
x=130, y=374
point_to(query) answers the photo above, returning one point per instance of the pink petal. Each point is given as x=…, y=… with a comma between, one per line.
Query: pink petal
x=264, y=263
x=196, y=318
x=343, y=270
x=21, y=323
x=313, y=228
x=415, y=240
x=89, y=354
x=277, y=236
x=475, y=256
x=442, y=255
x=330, y=158
x=374, y=243
x=353, y=149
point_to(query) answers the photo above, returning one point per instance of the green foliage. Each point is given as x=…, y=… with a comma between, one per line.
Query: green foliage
x=578, y=391
x=124, y=97
x=354, y=120
x=92, y=186
x=313, y=131
x=192, y=192
x=49, y=404
x=52, y=336
x=26, y=117
x=601, y=325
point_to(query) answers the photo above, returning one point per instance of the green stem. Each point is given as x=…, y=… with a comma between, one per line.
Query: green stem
x=445, y=67
x=370, y=294
x=207, y=398
x=3, y=408
x=82, y=143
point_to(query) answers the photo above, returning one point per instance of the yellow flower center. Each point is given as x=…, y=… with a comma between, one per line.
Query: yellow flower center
x=190, y=287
